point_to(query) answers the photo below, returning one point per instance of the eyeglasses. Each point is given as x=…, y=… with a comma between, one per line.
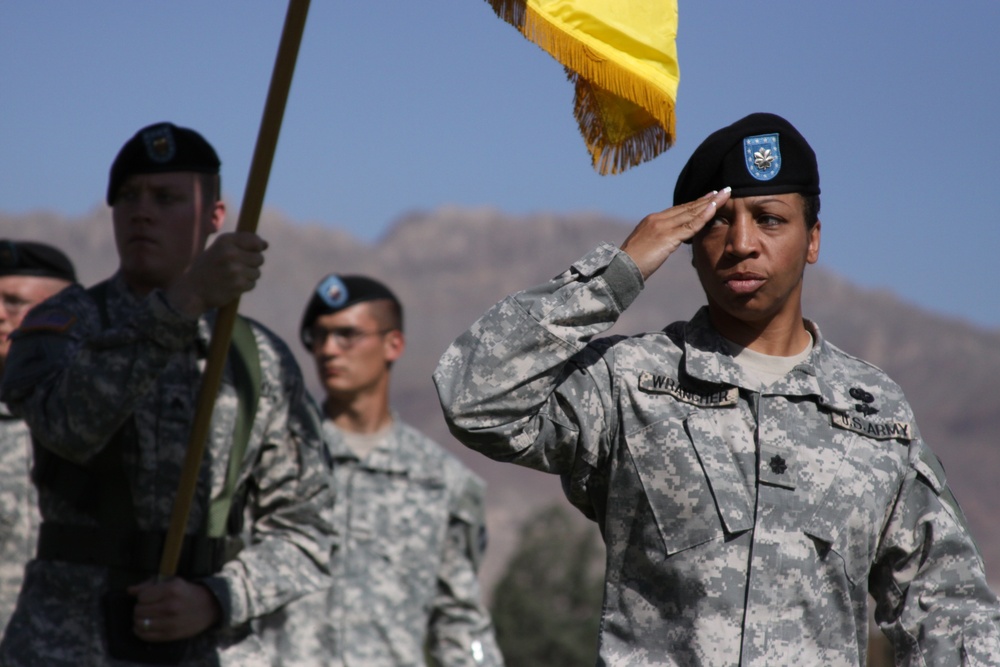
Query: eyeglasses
x=345, y=337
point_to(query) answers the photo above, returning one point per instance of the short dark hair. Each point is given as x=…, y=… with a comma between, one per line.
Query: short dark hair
x=388, y=312
x=810, y=209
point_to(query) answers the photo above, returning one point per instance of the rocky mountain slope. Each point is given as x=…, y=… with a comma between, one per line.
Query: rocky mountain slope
x=449, y=265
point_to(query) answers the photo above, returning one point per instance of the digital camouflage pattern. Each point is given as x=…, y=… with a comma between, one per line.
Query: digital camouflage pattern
x=410, y=531
x=18, y=510
x=743, y=527
x=75, y=384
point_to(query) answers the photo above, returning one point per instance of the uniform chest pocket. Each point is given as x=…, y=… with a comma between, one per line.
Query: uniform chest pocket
x=693, y=487
x=401, y=514
x=168, y=420
x=849, y=516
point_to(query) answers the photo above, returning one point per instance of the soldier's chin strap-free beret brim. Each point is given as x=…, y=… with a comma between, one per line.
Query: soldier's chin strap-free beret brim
x=759, y=154
x=161, y=148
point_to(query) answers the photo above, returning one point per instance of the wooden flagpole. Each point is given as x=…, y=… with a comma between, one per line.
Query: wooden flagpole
x=253, y=199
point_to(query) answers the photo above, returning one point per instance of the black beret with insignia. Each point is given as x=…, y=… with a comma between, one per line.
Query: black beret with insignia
x=161, y=148
x=28, y=258
x=761, y=154
x=336, y=292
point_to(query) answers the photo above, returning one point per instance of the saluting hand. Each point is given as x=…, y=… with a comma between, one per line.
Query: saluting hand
x=225, y=270
x=658, y=235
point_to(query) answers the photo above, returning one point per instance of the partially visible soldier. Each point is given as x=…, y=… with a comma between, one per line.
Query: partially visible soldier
x=29, y=273
x=107, y=379
x=409, y=517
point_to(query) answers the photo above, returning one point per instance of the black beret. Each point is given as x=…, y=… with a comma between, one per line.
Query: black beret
x=762, y=154
x=336, y=292
x=160, y=148
x=27, y=258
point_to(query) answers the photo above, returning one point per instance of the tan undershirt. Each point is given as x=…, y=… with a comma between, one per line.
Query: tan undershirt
x=362, y=444
x=766, y=369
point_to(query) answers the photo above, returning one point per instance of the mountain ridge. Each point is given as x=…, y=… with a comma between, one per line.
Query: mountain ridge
x=449, y=265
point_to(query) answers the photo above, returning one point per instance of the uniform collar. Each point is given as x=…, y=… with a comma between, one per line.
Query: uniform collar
x=122, y=303
x=708, y=359
x=386, y=457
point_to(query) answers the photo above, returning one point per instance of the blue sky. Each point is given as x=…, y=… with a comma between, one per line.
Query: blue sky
x=401, y=106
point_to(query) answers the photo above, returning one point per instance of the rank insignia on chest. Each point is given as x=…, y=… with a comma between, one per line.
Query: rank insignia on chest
x=778, y=466
x=878, y=430
x=661, y=384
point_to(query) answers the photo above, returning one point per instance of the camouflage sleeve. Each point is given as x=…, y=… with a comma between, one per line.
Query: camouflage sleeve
x=928, y=581
x=18, y=511
x=73, y=382
x=504, y=385
x=460, y=632
x=290, y=483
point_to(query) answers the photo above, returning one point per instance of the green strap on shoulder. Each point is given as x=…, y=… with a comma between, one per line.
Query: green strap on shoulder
x=245, y=361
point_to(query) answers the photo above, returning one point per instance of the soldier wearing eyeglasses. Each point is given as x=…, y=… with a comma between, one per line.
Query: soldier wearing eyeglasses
x=409, y=517
x=29, y=273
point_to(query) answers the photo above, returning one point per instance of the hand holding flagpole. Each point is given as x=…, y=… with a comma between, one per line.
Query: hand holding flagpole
x=253, y=199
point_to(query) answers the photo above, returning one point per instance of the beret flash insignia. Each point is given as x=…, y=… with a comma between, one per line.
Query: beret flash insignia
x=333, y=292
x=160, y=145
x=763, y=156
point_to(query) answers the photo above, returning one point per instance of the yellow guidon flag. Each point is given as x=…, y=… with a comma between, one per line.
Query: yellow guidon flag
x=621, y=55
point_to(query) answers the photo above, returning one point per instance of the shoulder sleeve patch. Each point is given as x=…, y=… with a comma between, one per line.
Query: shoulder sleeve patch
x=468, y=506
x=467, y=523
x=48, y=321
x=929, y=466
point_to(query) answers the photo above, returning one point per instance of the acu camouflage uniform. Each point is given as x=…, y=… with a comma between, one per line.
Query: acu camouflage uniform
x=18, y=509
x=76, y=383
x=743, y=527
x=410, y=530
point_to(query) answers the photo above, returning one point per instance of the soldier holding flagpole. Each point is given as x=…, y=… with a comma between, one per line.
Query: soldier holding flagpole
x=106, y=378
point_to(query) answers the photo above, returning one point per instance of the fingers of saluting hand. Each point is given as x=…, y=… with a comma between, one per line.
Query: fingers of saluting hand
x=659, y=234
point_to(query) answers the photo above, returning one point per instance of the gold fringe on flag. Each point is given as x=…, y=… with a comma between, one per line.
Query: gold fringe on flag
x=621, y=56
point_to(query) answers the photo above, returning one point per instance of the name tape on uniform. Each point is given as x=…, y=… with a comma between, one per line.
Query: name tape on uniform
x=661, y=384
x=872, y=429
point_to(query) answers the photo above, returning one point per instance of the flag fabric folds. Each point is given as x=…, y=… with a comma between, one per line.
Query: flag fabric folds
x=621, y=56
